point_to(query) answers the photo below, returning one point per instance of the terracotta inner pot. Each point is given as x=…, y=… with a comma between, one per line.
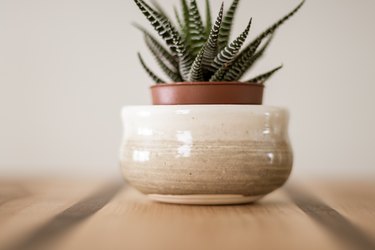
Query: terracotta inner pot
x=185, y=93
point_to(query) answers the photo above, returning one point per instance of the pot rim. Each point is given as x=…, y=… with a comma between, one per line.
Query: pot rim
x=176, y=84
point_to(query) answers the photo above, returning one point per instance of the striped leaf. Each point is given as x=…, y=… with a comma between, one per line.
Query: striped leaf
x=160, y=9
x=172, y=74
x=163, y=52
x=227, y=54
x=170, y=35
x=160, y=23
x=244, y=62
x=276, y=25
x=196, y=28
x=245, y=58
x=264, y=77
x=164, y=14
x=208, y=19
x=219, y=74
x=185, y=31
x=227, y=25
x=211, y=47
x=154, y=77
x=196, y=72
x=186, y=20
x=236, y=68
x=178, y=18
x=271, y=29
x=185, y=59
x=201, y=52
x=184, y=43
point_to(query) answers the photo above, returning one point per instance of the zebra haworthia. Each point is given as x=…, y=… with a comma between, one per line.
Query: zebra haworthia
x=199, y=50
x=264, y=77
x=227, y=54
x=227, y=24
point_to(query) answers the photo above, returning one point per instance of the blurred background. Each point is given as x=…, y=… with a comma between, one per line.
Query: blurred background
x=68, y=66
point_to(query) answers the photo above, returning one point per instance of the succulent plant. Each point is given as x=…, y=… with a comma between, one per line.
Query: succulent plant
x=202, y=51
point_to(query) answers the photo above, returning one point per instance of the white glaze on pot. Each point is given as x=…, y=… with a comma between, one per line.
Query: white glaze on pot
x=206, y=150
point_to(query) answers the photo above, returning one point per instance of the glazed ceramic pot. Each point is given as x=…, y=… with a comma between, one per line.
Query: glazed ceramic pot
x=206, y=154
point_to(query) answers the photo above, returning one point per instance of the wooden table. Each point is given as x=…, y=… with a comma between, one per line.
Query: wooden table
x=110, y=215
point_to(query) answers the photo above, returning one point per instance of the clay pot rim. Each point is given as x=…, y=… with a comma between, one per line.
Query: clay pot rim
x=160, y=85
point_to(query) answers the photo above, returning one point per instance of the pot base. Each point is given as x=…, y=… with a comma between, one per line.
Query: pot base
x=221, y=199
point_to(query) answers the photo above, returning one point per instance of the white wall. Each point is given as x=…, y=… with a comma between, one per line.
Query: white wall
x=67, y=67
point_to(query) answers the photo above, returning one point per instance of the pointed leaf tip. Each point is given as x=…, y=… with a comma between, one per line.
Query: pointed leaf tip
x=226, y=29
x=152, y=75
x=264, y=77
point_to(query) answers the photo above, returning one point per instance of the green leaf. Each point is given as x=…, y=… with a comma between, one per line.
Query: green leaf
x=185, y=59
x=271, y=29
x=208, y=19
x=160, y=23
x=160, y=9
x=186, y=21
x=170, y=35
x=219, y=74
x=196, y=28
x=173, y=75
x=227, y=54
x=245, y=61
x=167, y=55
x=164, y=14
x=154, y=77
x=200, y=51
x=237, y=66
x=211, y=47
x=178, y=18
x=196, y=72
x=227, y=25
x=264, y=77
x=245, y=57
x=276, y=25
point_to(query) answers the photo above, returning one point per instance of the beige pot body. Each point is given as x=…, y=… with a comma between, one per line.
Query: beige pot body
x=206, y=154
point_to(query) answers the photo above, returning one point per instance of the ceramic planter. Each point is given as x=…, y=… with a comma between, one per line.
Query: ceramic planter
x=206, y=154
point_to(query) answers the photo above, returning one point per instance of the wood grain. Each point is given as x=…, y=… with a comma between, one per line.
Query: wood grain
x=90, y=215
x=351, y=235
